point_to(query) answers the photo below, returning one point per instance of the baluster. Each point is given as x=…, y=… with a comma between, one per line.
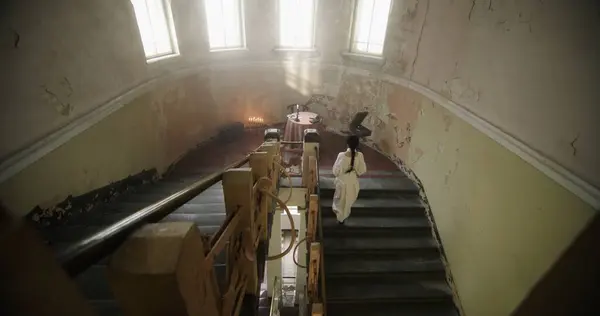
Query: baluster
x=237, y=188
x=259, y=165
x=317, y=309
x=313, y=271
x=313, y=208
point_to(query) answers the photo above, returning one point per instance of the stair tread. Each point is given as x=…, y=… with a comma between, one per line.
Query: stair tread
x=385, y=288
x=373, y=264
x=375, y=222
x=215, y=219
x=174, y=186
x=190, y=207
x=377, y=243
x=383, y=203
x=155, y=197
x=391, y=173
x=374, y=184
x=390, y=309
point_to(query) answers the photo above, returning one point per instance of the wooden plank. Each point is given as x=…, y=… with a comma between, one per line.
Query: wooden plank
x=166, y=260
x=314, y=172
x=305, y=169
x=317, y=309
x=260, y=168
x=313, y=208
x=237, y=190
x=272, y=150
x=313, y=271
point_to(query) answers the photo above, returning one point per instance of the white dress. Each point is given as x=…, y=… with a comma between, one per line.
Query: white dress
x=346, y=183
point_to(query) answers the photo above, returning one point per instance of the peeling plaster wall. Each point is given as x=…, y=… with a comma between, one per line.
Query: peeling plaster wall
x=529, y=67
x=502, y=223
x=152, y=131
x=60, y=59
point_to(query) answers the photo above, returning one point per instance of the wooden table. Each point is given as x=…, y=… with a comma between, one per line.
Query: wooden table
x=294, y=131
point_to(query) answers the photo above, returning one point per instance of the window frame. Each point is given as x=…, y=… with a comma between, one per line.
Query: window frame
x=242, y=22
x=312, y=46
x=170, y=23
x=352, y=42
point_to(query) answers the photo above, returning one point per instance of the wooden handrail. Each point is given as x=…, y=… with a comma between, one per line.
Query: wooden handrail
x=83, y=254
x=291, y=142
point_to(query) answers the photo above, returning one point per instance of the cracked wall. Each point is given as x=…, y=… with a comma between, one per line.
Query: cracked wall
x=503, y=224
x=529, y=67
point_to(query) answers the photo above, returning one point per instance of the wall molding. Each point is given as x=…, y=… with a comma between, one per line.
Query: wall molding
x=29, y=155
x=570, y=181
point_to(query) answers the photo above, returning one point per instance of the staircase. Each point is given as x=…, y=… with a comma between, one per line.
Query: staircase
x=207, y=210
x=384, y=259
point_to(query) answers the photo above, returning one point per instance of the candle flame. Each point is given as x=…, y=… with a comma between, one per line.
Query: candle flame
x=255, y=119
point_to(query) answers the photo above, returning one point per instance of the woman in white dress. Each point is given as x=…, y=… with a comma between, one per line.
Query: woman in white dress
x=348, y=166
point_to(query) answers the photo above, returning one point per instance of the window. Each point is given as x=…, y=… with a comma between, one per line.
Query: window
x=155, y=22
x=370, y=25
x=296, y=24
x=225, y=24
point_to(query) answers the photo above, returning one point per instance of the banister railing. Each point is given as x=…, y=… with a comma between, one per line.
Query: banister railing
x=314, y=235
x=248, y=195
x=83, y=254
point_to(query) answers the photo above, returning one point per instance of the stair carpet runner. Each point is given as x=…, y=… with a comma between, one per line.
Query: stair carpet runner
x=383, y=260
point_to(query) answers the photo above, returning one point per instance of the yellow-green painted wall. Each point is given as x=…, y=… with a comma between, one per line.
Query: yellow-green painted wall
x=502, y=222
x=152, y=131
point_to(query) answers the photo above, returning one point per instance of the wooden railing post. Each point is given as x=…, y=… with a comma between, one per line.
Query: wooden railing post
x=165, y=262
x=241, y=253
x=313, y=271
x=313, y=208
x=271, y=151
x=309, y=159
x=317, y=309
x=260, y=169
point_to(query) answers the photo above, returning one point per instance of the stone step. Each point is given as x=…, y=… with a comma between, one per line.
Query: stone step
x=373, y=187
x=397, y=206
x=369, y=174
x=165, y=189
x=348, y=265
x=442, y=308
x=386, y=288
x=190, y=207
x=380, y=222
x=211, y=196
x=377, y=226
x=363, y=245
